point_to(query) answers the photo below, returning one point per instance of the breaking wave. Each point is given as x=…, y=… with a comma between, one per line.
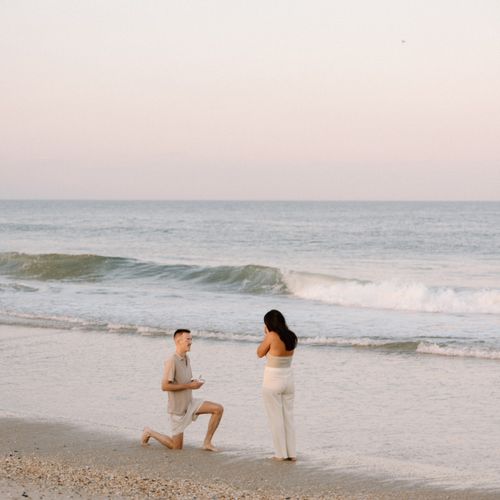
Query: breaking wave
x=256, y=279
x=56, y=266
x=87, y=267
x=392, y=295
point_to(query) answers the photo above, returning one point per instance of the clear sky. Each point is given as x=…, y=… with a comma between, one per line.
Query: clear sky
x=340, y=100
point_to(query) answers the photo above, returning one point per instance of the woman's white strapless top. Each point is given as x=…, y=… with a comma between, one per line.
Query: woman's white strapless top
x=278, y=361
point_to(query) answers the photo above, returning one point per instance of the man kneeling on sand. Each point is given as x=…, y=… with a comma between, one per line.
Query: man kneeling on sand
x=182, y=407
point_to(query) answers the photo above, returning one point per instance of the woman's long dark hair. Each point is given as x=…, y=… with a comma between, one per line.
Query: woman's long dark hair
x=275, y=322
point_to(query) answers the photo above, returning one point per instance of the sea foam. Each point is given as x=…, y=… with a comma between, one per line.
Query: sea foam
x=465, y=352
x=392, y=295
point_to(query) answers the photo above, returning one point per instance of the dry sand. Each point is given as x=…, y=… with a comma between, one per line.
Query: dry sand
x=52, y=460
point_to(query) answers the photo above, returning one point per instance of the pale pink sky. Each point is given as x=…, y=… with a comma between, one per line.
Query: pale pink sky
x=250, y=100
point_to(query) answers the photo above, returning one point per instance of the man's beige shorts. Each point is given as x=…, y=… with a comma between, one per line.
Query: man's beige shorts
x=178, y=423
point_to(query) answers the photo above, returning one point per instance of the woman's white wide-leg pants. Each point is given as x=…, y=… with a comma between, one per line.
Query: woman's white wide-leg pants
x=278, y=391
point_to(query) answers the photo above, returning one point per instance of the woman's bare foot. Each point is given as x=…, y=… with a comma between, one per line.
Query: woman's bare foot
x=277, y=459
x=292, y=459
x=209, y=447
x=145, y=436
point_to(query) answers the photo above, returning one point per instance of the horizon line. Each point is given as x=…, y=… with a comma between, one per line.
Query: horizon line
x=263, y=200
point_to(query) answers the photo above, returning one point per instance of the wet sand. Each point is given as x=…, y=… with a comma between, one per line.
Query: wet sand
x=48, y=460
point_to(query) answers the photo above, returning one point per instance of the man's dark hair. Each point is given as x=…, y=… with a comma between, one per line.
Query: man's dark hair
x=180, y=331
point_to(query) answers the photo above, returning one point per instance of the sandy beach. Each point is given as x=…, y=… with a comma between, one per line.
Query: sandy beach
x=40, y=459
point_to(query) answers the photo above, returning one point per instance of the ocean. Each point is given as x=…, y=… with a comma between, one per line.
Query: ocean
x=396, y=305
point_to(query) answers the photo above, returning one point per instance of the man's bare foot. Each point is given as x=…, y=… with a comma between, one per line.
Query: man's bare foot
x=292, y=459
x=277, y=459
x=209, y=447
x=145, y=436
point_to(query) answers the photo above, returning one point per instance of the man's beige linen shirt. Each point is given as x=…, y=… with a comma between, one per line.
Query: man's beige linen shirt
x=178, y=371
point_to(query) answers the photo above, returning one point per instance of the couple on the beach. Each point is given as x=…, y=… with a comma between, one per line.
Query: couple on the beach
x=278, y=390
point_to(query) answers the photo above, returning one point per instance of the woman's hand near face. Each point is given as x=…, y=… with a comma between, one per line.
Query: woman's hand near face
x=265, y=345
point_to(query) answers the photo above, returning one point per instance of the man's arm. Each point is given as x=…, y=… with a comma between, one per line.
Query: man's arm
x=170, y=386
x=168, y=376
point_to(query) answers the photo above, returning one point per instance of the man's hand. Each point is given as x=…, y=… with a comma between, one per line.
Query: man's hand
x=195, y=384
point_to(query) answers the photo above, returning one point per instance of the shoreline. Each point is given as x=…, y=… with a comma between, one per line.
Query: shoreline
x=59, y=460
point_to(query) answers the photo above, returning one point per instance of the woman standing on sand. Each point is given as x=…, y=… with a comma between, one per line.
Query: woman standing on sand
x=278, y=387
